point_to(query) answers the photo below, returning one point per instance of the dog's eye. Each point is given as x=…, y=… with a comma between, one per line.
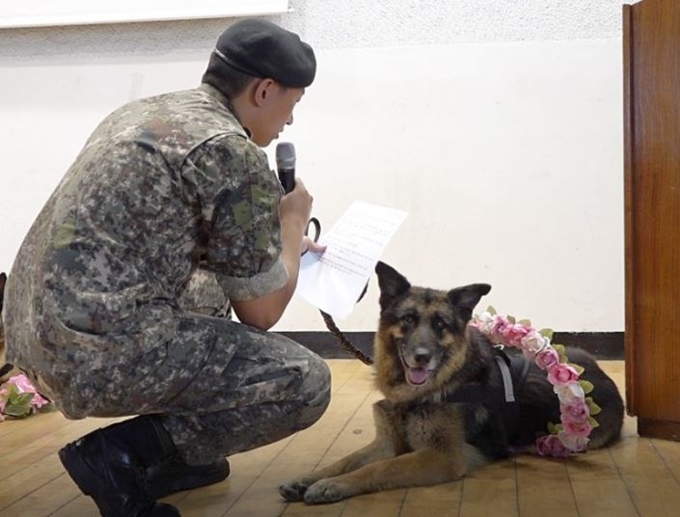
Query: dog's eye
x=439, y=323
x=408, y=319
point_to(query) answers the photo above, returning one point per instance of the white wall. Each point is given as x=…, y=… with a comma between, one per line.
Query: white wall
x=497, y=127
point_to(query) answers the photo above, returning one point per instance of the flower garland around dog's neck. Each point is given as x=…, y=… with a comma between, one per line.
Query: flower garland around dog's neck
x=576, y=410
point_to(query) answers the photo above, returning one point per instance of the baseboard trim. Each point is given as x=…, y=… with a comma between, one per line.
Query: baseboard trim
x=603, y=345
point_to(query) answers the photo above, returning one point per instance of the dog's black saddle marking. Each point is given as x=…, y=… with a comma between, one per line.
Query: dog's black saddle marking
x=503, y=398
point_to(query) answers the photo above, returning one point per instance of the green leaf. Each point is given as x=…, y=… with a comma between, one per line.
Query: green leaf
x=587, y=386
x=511, y=319
x=526, y=323
x=555, y=428
x=593, y=422
x=580, y=369
x=490, y=309
x=21, y=399
x=18, y=410
x=546, y=333
x=12, y=391
x=560, y=349
x=592, y=406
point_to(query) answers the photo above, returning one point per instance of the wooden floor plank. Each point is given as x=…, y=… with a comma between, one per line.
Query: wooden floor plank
x=544, y=488
x=636, y=477
x=652, y=486
x=440, y=501
x=305, y=451
x=491, y=490
x=598, y=488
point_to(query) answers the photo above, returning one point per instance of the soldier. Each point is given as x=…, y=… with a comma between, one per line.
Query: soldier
x=96, y=303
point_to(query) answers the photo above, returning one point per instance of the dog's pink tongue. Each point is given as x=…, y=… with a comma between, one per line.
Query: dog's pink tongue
x=416, y=375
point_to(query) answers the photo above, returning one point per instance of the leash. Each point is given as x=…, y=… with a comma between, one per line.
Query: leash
x=328, y=319
x=333, y=328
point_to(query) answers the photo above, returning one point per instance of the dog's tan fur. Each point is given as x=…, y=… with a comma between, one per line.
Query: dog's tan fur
x=421, y=437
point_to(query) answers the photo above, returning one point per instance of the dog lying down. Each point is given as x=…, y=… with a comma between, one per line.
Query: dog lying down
x=445, y=409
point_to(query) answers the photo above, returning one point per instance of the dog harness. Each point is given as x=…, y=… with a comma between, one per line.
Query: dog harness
x=513, y=370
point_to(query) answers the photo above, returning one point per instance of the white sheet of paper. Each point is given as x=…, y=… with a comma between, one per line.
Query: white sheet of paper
x=334, y=280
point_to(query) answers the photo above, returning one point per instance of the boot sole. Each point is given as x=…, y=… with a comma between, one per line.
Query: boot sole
x=189, y=482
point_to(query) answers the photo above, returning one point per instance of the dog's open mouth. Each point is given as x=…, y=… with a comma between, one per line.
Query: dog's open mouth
x=415, y=375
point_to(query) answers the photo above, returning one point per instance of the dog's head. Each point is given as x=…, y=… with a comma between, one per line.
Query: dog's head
x=421, y=340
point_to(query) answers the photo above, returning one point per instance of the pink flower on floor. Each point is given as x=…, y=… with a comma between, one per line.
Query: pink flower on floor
x=19, y=398
x=24, y=385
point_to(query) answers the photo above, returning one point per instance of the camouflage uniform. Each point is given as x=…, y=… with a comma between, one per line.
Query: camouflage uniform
x=104, y=308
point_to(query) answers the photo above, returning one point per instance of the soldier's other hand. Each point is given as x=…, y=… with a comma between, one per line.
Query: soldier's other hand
x=308, y=244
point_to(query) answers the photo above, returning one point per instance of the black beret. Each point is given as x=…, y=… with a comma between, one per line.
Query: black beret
x=263, y=49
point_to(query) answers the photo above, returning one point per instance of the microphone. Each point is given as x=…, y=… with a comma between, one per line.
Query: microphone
x=285, y=165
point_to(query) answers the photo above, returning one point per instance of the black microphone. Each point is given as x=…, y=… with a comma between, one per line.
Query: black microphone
x=285, y=165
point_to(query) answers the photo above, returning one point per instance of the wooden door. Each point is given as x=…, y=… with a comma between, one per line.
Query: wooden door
x=652, y=214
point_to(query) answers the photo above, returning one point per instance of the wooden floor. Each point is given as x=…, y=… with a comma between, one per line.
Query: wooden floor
x=637, y=477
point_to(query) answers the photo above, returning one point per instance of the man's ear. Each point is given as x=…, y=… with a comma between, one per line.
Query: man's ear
x=262, y=90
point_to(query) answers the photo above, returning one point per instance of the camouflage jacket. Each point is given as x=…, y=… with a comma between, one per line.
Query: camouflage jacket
x=162, y=184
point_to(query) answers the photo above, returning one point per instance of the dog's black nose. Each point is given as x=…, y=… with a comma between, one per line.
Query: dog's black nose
x=422, y=357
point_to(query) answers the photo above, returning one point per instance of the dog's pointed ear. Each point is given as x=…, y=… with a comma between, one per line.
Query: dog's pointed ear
x=392, y=284
x=467, y=297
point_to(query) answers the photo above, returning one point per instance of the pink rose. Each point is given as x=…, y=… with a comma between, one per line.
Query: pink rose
x=534, y=342
x=562, y=374
x=22, y=383
x=570, y=393
x=547, y=358
x=514, y=333
x=550, y=445
x=576, y=411
x=573, y=442
x=579, y=429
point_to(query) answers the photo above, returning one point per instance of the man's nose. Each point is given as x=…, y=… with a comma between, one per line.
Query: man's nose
x=290, y=120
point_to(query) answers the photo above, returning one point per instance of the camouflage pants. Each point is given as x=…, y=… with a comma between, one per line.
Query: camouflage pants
x=222, y=387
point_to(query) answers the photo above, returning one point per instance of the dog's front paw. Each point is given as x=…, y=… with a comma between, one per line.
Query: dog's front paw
x=295, y=490
x=327, y=491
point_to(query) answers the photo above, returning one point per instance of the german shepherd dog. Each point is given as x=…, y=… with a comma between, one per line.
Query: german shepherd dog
x=440, y=416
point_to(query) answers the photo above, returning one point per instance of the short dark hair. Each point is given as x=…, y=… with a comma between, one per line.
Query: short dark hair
x=227, y=79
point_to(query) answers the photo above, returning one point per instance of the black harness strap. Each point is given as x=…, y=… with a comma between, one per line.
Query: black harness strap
x=503, y=398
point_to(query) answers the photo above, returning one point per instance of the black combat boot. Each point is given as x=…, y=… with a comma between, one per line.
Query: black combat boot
x=110, y=464
x=174, y=475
